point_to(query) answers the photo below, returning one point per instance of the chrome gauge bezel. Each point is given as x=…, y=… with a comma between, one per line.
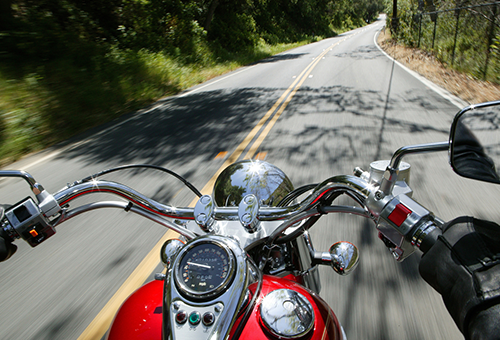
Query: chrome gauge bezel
x=212, y=293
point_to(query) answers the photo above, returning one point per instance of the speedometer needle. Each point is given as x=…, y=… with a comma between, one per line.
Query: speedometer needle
x=199, y=265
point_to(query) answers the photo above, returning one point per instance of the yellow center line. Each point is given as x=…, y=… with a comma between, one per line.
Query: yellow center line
x=207, y=189
x=270, y=125
x=98, y=327
x=101, y=323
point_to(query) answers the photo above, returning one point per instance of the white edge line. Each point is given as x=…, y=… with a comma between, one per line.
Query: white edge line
x=134, y=116
x=459, y=103
x=439, y=90
x=55, y=153
x=213, y=82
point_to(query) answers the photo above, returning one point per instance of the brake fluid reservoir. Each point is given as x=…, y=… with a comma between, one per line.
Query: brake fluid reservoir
x=377, y=170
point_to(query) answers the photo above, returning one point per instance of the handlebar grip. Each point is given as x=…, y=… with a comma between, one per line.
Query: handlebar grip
x=7, y=248
x=429, y=239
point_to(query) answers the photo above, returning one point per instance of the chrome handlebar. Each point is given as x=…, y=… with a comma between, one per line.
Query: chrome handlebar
x=361, y=190
x=67, y=194
x=354, y=186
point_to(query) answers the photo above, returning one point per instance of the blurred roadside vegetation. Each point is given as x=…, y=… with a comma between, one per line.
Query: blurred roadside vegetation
x=69, y=65
x=461, y=34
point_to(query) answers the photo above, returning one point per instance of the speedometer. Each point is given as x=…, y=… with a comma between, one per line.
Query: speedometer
x=204, y=269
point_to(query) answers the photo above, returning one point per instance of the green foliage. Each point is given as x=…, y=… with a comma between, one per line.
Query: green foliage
x=68, y=65
x=237, y=31
x=463, y=39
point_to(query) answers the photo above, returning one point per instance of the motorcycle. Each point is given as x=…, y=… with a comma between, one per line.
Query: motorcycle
x=244, y=266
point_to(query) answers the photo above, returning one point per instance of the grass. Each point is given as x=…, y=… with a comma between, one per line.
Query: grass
x=43, y=103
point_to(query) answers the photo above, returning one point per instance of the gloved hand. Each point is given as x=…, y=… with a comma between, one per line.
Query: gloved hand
x=7, y=249
x=464, y=267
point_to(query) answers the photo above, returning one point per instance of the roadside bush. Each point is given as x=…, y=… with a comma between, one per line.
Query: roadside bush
x=235, y=32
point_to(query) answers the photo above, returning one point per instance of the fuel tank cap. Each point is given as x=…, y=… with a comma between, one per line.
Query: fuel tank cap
x=287, y=314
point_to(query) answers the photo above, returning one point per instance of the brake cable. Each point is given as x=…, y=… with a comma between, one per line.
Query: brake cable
x=131, y=166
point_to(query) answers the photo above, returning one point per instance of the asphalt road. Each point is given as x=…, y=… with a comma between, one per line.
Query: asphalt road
x=349, y=105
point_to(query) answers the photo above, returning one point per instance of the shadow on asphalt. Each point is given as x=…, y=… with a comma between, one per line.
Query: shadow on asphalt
x=205, y=123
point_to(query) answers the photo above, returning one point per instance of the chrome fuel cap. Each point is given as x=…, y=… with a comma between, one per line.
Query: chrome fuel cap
x=287, y=314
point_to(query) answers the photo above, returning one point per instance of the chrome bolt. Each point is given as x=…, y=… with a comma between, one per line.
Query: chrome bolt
x=160, y=277
x=201, y=218
x=379, y=195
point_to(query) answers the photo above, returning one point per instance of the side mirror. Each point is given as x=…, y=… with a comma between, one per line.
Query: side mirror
x=475, y=142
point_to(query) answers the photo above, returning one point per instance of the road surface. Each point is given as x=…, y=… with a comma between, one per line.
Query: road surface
x=345, y=104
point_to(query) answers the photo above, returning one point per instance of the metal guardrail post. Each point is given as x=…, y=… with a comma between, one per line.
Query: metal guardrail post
x=434, y=32
x=456, y=35
x=419, y=28
x=490, y=41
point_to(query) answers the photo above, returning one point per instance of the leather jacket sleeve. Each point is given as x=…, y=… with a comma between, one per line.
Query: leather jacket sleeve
x=464, y=267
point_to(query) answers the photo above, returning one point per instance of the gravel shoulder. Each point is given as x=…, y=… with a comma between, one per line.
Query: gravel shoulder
x=461, y=85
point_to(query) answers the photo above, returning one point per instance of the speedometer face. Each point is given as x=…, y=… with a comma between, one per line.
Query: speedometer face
x=204, y=269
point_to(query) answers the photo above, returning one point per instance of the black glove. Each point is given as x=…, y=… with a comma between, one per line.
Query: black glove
x=7, y=249
x=464, y=267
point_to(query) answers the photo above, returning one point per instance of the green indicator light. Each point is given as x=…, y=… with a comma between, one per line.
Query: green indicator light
x=194, y=318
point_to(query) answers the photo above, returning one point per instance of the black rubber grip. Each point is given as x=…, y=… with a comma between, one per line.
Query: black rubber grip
x=429, y=240
x=7, y=249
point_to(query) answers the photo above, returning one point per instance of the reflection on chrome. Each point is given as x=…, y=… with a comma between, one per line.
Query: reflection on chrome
x=286, y=313
x=345, y=257
x=264, y=180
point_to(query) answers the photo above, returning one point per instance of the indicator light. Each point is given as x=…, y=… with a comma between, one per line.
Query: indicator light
x=208, y=318
x=181, y=317
x=194, y=318
x=33, y=233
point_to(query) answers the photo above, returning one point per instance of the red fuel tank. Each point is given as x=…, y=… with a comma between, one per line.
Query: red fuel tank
x=326, y=325
x=140, y=316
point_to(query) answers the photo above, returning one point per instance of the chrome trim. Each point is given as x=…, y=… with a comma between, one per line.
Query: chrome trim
x=69, y=193
x=262, y=179
x=203, y=213
x=287, y=314
x=247, y=213
x=422, y=232
x=344, y=257
x=66, y=215
x=418, y=148
x=391, y=173
x=357, y=188
x=283, y=218
x=169, y=251
x=314, y=212
x=36, y=187
x=304, y=265
x=225, y=307
x=209, y=293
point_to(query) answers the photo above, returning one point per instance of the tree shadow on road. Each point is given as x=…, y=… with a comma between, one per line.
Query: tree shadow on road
x=336, y=126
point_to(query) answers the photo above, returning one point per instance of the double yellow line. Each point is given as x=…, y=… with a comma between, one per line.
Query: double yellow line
x=98, y=327
x=284, y=100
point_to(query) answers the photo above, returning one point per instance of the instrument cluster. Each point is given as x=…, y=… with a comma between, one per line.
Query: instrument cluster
x=204, y=269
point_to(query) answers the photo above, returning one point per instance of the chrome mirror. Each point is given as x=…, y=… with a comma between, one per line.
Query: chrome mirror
x=345, y=257
x=475, y=142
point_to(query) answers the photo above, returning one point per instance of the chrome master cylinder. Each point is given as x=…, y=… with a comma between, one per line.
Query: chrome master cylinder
x=391, y=236
x=376, y=173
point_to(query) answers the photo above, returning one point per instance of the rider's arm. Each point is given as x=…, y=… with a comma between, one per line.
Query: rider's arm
x=486, y=324
x=464, y=267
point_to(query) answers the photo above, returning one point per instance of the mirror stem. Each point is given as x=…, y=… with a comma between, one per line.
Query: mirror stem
x=390, y=175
